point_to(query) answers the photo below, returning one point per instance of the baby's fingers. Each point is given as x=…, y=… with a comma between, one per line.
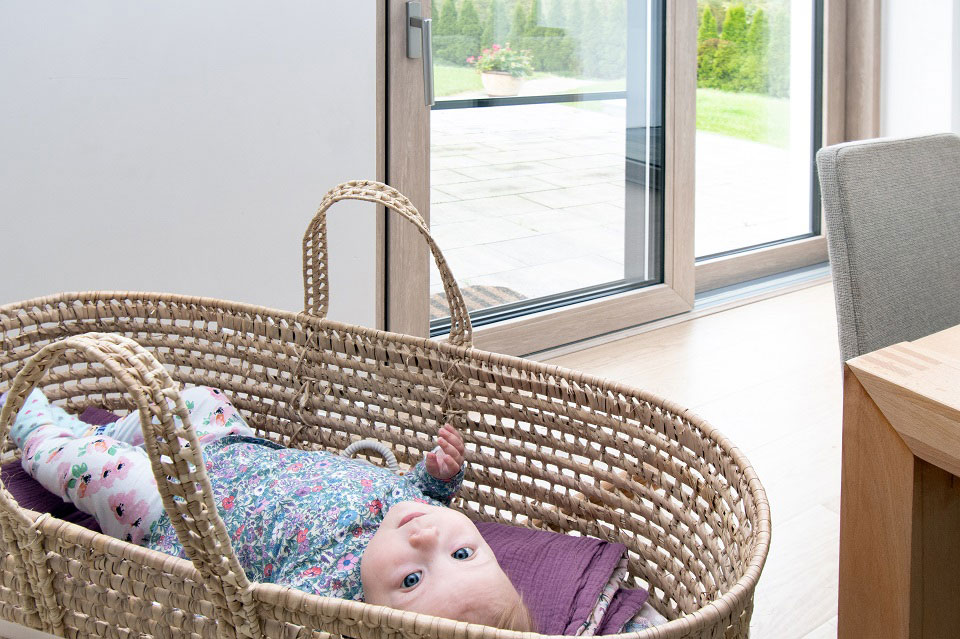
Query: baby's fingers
x=440, y=465
x=452, y=453
x=450, y=434
x=433, y=464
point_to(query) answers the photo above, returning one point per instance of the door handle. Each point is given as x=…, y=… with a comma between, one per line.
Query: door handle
x=420, y=45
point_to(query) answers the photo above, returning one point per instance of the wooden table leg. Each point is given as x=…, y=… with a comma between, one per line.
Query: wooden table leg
x=899, y=532
x=939, y=538
x=877, y=495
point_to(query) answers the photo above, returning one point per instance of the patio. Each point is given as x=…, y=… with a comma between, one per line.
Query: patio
x=528, y=201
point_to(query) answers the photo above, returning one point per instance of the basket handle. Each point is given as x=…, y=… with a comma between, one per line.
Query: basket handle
x=316, y=287
x=177, y=463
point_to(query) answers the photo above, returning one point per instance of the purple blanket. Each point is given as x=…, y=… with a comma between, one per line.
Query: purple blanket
x=559, y=576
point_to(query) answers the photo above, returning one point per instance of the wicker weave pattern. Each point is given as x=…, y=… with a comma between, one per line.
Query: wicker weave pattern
x=316, y=295
x=547, y=448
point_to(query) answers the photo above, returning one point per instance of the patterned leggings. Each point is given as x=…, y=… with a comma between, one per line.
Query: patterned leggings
x=104, y=470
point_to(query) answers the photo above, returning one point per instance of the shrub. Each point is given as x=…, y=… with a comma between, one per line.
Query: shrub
x=706, y=61
x=446, y=34
x=468, y=42
x=726, y=66
x=708, y=27
x=735, y=25
x=752, y=53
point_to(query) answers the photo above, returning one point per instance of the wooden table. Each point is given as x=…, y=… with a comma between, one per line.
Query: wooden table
x=900, y=492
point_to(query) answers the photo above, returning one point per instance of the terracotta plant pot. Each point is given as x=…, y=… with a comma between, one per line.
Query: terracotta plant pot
x=498, y=84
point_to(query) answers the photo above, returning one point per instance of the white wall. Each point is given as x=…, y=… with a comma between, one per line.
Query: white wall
x=183, y=146
x=920, y=86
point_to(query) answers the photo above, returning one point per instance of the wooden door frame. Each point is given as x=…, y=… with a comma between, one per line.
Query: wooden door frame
x=404, y=155
x=408, y=169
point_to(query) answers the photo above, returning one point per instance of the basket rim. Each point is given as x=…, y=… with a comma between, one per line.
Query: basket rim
x=735, y=595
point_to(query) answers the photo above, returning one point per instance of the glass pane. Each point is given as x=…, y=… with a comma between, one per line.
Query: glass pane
x=754, y=123
x=546, y=150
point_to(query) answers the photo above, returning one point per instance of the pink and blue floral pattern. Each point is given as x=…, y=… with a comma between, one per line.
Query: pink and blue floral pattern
x=302, y=518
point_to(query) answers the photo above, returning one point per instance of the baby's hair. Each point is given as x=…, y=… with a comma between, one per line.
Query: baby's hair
x=516, y=616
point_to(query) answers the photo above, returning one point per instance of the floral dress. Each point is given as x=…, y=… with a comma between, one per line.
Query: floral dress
x=303, y=518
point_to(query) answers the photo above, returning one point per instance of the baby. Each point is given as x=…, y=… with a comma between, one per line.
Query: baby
x=315, y=521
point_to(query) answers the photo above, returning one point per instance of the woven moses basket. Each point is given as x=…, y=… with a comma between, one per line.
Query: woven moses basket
x=547, y=448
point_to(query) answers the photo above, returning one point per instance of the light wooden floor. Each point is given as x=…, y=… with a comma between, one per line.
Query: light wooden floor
x=768, y=375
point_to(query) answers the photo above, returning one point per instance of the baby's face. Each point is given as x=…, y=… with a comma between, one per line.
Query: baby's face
x=433, y=560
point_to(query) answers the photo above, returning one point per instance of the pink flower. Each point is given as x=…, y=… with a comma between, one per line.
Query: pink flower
x=486, y=52
x=128, y=508
x=496, y=47
x=228, y=502
x=63, y=475
x=471, y=60
x=347, y=562
x=113, y=472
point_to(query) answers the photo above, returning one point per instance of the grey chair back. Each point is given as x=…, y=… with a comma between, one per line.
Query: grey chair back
x=892, y=209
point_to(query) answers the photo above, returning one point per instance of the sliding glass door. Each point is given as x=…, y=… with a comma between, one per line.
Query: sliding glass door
x=546, y=152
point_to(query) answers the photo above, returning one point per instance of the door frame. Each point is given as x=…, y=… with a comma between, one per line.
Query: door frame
x=408, y=169
x=404, y=159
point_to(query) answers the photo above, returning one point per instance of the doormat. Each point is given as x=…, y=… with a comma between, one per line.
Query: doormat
x=476, y=298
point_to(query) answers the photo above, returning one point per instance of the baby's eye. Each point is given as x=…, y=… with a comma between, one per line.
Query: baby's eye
x=462, y=553
x=411, y=580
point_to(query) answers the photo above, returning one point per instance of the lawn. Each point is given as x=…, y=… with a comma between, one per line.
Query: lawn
x=744, y=115
x=741, y=115
x=450, y=80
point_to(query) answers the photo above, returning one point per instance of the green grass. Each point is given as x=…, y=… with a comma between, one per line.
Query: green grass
x=744, y=115
x=740, y=115
x=450, y=80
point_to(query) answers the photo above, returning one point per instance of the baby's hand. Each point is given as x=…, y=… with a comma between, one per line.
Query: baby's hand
x=444, y=463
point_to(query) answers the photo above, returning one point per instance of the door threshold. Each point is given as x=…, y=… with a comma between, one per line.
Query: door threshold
x=708, y=303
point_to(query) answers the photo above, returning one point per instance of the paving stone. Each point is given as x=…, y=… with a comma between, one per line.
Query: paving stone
x=454, y=162
x=439, y=177
x=590, y=194
x=581, y=178
x=474, y=261
x=512, y=169
x=438, y=197
x=583, y=162
x=484, y=207
x=494, y=229
x=523, y=155
x=501, y=186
